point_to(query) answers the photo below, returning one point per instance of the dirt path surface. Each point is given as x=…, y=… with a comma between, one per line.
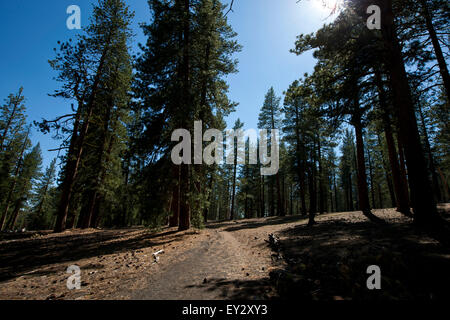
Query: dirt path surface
x=214, y=269
x=230, y=260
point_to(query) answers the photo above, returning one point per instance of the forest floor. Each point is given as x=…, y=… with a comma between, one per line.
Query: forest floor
x=231, y=260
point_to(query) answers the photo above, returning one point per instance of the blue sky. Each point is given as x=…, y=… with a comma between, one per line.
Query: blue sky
x=266, y=28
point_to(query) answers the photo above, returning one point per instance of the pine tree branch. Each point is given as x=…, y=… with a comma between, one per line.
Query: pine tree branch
x=230, y=9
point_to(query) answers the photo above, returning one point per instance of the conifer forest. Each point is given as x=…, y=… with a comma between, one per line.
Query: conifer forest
x=152, y=179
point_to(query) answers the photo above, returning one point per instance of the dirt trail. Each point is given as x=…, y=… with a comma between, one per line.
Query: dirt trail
x=224, y=265
x=215, y=259
x=231, y=261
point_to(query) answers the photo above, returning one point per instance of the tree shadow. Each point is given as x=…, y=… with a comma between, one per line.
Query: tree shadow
x=262, y=289
x=22, y=256
x=7, y=236
x=330, y=261
x=237, y=225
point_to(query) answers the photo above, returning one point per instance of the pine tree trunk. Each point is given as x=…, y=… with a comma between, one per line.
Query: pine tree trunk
x=312, y=194
x=347, y=197
x=364, y=205
x=291, y=210
x=403, y=173
x=335, y=192
x=331, y=198
x=380, y=196
x=302, y=163
x=12, y=220
x=321, y=195
x=13, y=186
x=74, y=159
x=363, y=195
x=390, y=187
x=372, y=188
x=87, y=217
x=175, y=207
x=258, y=203
x=70, y=155
x=401, y=189
x=350, y=194
x=271, y=197
x=302, y=177
x=437, y=48
x=96, y=214
x=125, y=209
x=303, y=208
x=233, y=191
x=185, y=211
x=434, y=177
x=246, y=215
x=7, y=204
x=263, y=196
x=206, y=210
x=71, y=216
x=280, y=205
x=83, y=211
x=444, y=182
x=425, y=211
x=387, y=174
x=355, y=163
x=283, y=194
x=103, y=156
x=41, y=203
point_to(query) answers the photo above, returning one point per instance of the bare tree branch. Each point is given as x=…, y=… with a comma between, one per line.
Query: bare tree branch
x=230, y=9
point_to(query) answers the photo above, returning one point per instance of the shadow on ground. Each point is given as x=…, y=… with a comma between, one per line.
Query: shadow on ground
x=22, y=256
x=329, y=262
x=254, y=223
x=239, y=289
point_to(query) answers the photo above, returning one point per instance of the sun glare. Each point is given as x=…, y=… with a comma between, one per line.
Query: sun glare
x=328, y=6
